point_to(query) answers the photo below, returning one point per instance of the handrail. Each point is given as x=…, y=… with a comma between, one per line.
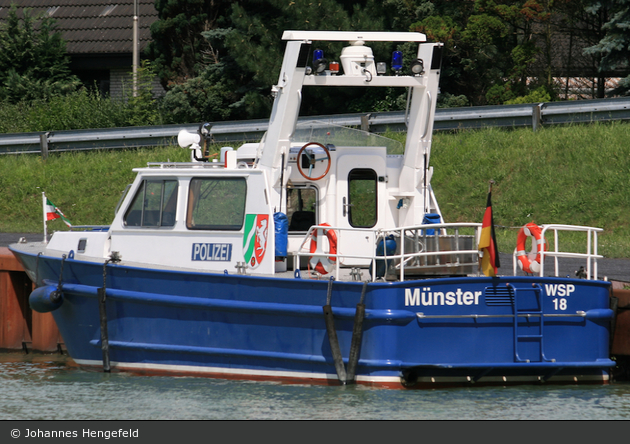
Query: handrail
x=405, y=260
x=403, y=257
x=89, y=227
x=591, y=255
x=448, y=119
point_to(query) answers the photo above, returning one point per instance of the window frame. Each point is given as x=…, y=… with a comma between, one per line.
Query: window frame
x=298, y=189
x=142, y=189
x=359, y=172
x=216, y=227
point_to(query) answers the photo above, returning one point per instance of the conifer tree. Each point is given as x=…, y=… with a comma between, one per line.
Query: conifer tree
x=33, y=59
x=178, y=47
x=614, y=48
x=243, y=52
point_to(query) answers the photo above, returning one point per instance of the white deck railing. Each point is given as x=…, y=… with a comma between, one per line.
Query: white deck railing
x=427, y=260
x=590, y=256
x=404, y=260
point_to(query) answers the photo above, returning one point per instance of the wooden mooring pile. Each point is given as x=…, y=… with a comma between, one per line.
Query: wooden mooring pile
x=20, y=327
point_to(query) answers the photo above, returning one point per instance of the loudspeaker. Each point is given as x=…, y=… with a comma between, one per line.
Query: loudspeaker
x=185, y=139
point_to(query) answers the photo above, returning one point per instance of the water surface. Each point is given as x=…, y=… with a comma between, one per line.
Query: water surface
x=52, y=387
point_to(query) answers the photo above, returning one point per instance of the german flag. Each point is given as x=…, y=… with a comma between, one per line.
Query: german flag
x=488, y=242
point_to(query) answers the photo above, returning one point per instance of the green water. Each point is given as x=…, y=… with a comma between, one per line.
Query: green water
x=52, y=387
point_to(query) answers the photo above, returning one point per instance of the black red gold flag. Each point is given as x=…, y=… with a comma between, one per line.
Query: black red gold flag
x=488, y=242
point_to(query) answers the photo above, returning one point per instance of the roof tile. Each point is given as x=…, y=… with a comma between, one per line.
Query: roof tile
x=93, y=26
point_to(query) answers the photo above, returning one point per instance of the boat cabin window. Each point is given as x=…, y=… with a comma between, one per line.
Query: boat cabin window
x=301, y=208
x=154, y=205
x=216, y=203
x=362, y=198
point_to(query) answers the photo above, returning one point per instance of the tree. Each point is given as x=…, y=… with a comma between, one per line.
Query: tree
x=257, y=49
x=569, y=27
x=243, y=52
x=33, y=59
x=614, y=47
x=177, y=48
x=213, y=95
x=478, y=40
x=496, y=51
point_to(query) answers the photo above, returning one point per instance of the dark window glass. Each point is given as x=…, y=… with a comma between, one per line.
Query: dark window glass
x=154, y=205
x=301, y=208
x=362, y=198
x=216, y=204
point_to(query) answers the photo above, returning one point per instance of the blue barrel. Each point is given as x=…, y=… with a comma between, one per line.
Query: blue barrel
x=431, y=218
x=385, y=247
x=281, y=223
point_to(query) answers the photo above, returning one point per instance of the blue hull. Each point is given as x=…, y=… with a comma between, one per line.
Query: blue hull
x=414, y=333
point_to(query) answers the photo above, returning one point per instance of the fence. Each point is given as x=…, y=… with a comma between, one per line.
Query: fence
x=527, y=115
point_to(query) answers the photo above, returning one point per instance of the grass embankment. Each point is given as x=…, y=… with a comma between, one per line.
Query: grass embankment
x=560, y=175
x=568, y=175
x=86, y=186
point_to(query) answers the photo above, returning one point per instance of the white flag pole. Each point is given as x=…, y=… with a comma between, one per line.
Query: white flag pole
x=44, y=208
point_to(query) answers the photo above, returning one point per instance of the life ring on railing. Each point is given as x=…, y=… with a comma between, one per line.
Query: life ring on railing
x=323, y=264
x=530, y=263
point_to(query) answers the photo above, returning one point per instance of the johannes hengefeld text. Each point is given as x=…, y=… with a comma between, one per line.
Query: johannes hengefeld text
x=84, y=433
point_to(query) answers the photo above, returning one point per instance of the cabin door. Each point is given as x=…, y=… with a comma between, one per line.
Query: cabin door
x=361, y=190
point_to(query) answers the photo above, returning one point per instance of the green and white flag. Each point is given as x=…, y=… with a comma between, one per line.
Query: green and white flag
x=52, y=212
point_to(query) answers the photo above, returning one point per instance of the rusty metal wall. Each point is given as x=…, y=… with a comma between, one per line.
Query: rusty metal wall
x=20, y=327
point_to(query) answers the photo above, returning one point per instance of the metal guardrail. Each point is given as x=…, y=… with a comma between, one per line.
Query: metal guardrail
x=446, y=119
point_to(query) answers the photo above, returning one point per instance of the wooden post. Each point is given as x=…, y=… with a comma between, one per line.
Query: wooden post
x=45, y=336
x=621, y=336
x=14, y=311
x=20, y=327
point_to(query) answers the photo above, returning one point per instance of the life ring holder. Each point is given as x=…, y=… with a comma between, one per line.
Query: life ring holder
x=312, y=161
x=323, y=264
x=530, y=263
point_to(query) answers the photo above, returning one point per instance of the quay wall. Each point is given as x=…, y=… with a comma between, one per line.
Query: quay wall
x=620, y=345
x=20, y=327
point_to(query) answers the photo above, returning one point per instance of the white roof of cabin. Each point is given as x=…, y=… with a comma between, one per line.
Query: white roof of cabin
x=354, y=36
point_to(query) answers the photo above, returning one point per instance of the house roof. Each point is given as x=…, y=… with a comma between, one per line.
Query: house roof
x=93, y=26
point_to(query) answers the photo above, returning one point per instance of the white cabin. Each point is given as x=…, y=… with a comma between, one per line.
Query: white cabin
x=219, y=216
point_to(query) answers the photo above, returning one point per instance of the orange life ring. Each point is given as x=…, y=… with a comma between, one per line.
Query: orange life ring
x=323, y=264
x=530, y=263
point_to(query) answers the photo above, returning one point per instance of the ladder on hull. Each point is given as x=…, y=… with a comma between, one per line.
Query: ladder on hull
x=533, y=310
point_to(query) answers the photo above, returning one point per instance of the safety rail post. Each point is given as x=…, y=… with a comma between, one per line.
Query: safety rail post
x=402, y=255
x=595, y=252
x=588, y=251
x=537, y=116
x=43, y=143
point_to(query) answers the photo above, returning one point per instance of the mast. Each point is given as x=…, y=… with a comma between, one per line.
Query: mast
x=284, y=115
x=288, y=97
x=416, y=174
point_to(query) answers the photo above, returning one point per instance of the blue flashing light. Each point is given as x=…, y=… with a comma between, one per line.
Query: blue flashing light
x=397, y=61
x=319, y=62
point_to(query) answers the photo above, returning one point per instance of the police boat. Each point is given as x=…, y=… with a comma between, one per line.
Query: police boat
x=318, y=255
